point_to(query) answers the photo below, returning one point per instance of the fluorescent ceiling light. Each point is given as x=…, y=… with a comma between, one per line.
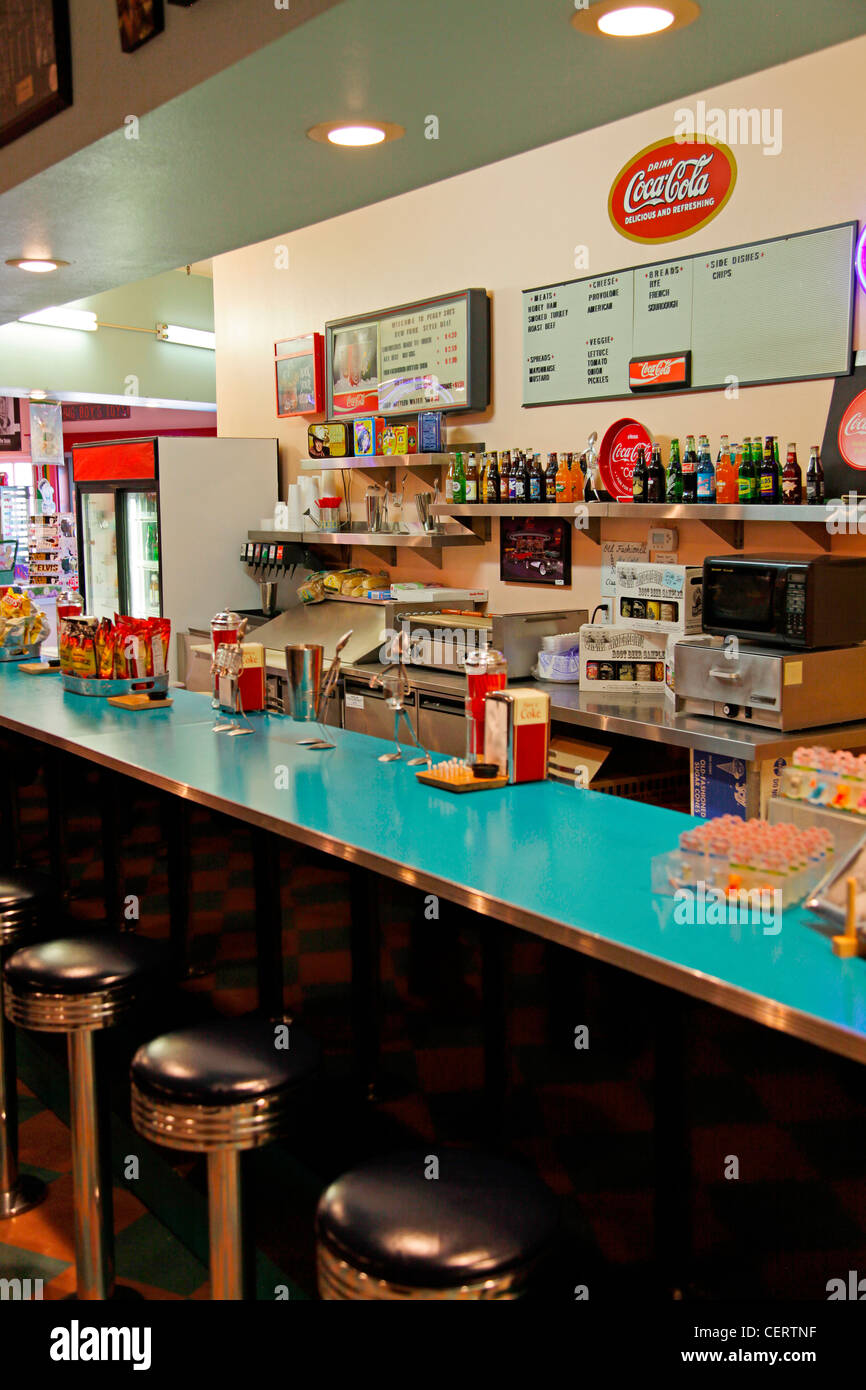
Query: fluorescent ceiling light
x=635, y=20
x=82, y=319
x=188, y=337
x=38, y=265
x=356, y=134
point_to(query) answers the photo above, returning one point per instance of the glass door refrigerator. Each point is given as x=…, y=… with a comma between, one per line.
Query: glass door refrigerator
x=160, y=522
x=116, y=504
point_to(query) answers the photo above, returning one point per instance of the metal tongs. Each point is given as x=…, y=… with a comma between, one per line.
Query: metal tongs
x=328, y=685
x=397, y=688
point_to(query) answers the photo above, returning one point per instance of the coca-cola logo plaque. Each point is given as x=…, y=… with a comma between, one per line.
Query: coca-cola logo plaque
x=618, y=456
x=852, y=433
x=671, y=189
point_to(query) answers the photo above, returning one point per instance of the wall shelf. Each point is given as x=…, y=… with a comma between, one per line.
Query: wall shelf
x=728, y=522
x=385, y=544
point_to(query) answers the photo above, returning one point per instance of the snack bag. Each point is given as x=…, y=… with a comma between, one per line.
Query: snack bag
x=105, y=649
x=130, y=655
x=157, y=646
x=313, y=588
x=82, y=657
x=335, y=579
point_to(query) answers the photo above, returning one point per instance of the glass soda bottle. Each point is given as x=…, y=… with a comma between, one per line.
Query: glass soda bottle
x=706, y=473
x=639, y=477
x=655, y=483
x=690, y=470
x=815, y=478
x=768, y=477
x=792, y=479
x=674, y=489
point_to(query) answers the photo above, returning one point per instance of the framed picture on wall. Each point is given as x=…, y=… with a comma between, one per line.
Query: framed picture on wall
x=35, y=65
x=139, y=22
x=10, y=425
x=535, y=550
x=300, y=375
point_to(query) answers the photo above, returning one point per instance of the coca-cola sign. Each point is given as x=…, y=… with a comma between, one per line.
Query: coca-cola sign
x=618, y=456
x=852, y=433
x=671, y=189
x=660, y=373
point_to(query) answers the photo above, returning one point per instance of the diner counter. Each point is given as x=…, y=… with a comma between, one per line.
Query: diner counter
x=568, y=865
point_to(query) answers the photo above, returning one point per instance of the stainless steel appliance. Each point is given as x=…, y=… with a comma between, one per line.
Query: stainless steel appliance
x=441, y=639
x=442, y=722
x=365, y=709
x=800, y=601
x=755, y=684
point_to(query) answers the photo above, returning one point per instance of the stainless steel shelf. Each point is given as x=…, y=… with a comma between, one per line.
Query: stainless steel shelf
x=370, y=461
x=413, y=540
x=630, y=510
x=728, y=522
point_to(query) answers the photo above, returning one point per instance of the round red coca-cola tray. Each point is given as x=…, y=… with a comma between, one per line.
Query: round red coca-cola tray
x=618, y=456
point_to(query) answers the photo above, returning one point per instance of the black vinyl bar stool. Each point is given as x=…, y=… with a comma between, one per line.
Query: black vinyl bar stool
x=78, y=987
x=28, y=904
x=393, y=1229
x=218, y=1089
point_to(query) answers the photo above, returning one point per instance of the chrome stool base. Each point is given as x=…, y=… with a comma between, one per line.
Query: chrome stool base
x=28, y=1192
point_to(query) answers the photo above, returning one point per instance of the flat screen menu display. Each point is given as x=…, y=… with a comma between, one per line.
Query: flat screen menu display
x=432, y=355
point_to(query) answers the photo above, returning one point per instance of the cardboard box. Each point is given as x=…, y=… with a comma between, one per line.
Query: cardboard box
x=659, y=598
x=720, y=785
x=616, y=659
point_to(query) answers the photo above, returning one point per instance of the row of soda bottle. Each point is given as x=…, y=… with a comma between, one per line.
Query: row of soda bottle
x=518, y=476
x=742, y=474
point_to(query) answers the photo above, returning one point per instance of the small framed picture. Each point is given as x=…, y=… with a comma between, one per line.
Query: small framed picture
x=535, y=550
x=300, y=375
x=139, y=22
x=35, y=65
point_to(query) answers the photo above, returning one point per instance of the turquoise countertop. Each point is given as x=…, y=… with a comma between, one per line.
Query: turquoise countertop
x=568, y=865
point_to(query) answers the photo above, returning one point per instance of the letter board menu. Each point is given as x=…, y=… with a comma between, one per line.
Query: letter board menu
x=778, y=310
x=432, y=355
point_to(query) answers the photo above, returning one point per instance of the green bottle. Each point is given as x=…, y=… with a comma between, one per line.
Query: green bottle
x=747, y=480
x=674, y=484
x=459, y=494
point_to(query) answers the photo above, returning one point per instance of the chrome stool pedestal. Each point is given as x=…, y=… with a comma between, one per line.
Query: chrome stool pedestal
x=78, y=987
x=219, y=1089
x=27, y=900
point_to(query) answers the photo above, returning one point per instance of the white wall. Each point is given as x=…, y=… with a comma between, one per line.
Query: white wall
x=515, y=224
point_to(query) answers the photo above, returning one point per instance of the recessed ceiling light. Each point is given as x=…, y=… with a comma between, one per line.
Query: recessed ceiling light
x=36, y=265
x=356, y=134
x=38, y=395
x=626, y=19
x=634, y=20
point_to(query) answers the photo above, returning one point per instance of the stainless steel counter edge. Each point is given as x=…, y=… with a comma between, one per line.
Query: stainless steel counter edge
x=711, y=990
x=643, y=716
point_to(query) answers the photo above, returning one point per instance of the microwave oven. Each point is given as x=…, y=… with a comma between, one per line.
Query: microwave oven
x=799, y=601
